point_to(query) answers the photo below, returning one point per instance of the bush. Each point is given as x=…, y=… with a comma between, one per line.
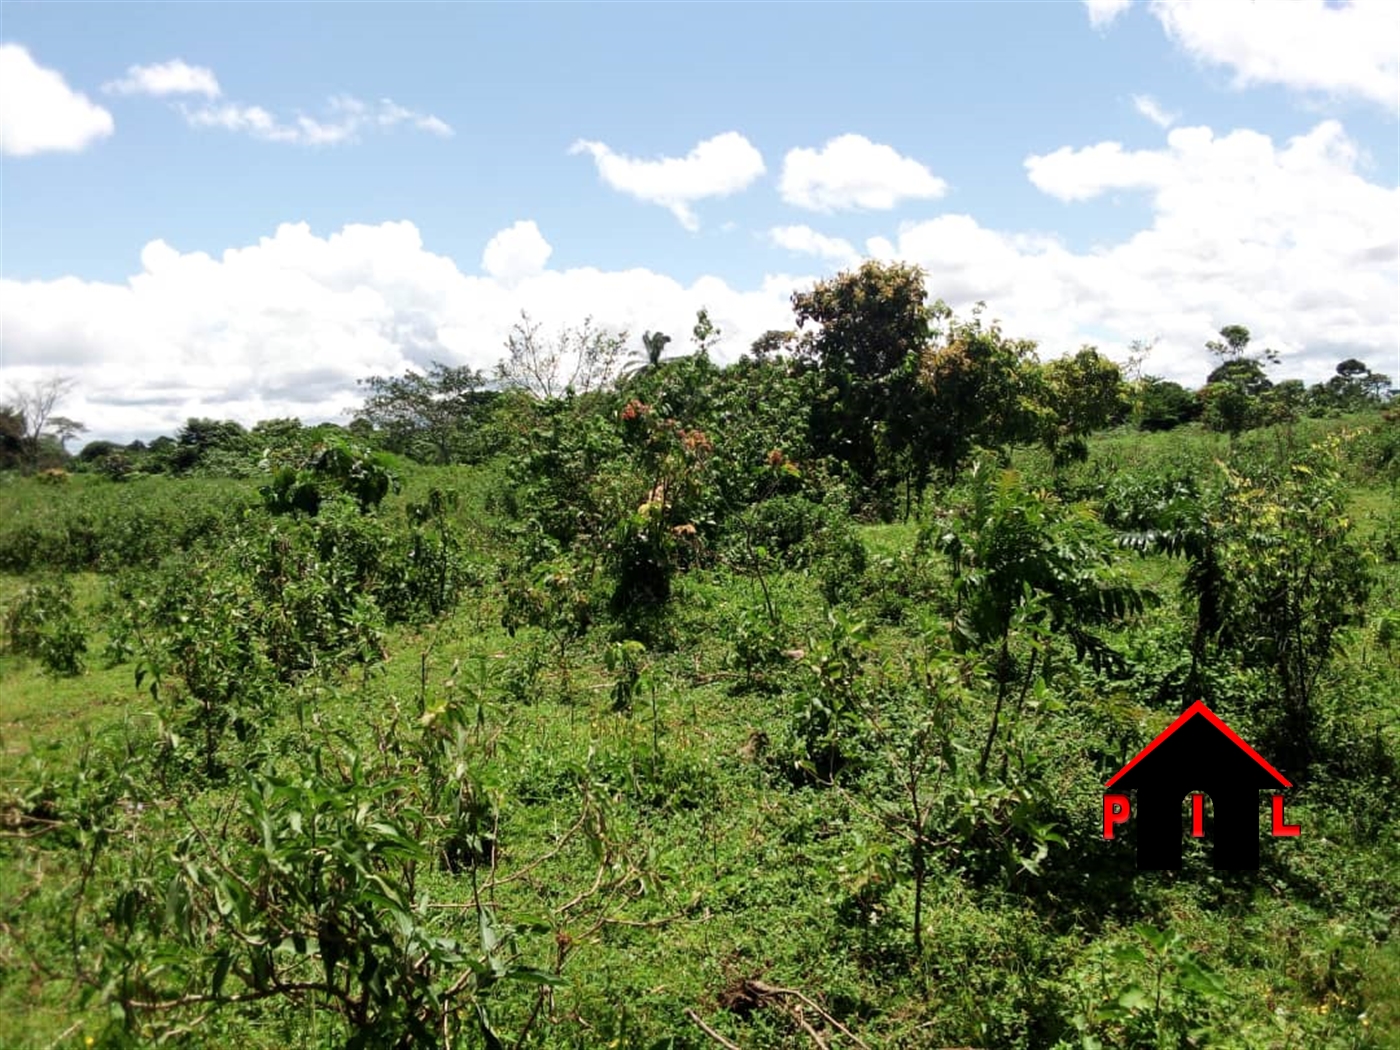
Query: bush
x=43, y=623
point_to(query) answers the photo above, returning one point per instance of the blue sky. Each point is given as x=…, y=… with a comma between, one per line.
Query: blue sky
x=238, y=209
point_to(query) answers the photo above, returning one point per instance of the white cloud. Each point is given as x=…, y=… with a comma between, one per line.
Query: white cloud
x=852, y=172
x=520, y=251
x=1103, y=13
x=716, y=167
x=348, y=117
x=175, y=77
x=1079, y=174
x=1348, y=49
x=40, y=113
x=1150, y=108
x=285, y=326
x=808, y=241
x=1287, y=239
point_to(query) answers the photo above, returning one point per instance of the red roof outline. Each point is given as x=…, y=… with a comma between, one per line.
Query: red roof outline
x=1200, y=708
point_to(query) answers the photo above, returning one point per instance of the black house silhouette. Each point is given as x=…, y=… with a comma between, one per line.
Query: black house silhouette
x=1197, y=753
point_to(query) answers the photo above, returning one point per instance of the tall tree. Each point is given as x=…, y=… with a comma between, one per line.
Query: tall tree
x=34, y=404
x=772, y=343
x=1232, y=388
x=1354, y=387
x=578, y=360
x=425, y=414
x=200, y=439
x=985, y=389
x=1085, y=393
x=1160, y=404
x=653, y=346
x=706, y=334
x=65, y=430
x=11, y=437
x=871, y=328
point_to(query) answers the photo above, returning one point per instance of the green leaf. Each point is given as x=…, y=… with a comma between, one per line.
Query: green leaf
x=221, y=968
x=1133, y=998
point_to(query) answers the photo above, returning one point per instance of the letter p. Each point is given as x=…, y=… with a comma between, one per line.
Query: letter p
x=1116, y=810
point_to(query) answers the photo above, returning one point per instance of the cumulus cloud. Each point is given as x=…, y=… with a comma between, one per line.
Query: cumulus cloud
x=716, y=167
x=1287, y=239
x=346, y=119
x=1345, y=50
x=1150, y=108
x=520, y=251
x=807, y=241
x=175, y=77
x=1103, y=13
x=285, y=326
x=1079, y=174
x=851, y=172
x=40, y=113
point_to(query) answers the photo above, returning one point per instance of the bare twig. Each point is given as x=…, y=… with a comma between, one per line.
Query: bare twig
x=796, y=1013
x=769, y=991
x=721, y=1040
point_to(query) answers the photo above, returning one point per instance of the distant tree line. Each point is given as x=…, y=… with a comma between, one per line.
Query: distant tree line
x=891, y=389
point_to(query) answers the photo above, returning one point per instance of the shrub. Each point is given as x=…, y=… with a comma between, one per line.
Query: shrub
x=43, y=623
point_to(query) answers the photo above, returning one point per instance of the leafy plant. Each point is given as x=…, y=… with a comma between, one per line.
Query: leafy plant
x=1021, y=558
x=315, y=904
x=335, y=465
x=554, y=597
x=1294, y=578
x=1158, y=994
x=827, y=716
x=42, y=622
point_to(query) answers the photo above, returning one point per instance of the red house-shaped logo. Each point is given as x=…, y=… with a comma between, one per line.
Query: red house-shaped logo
x=1200, y=755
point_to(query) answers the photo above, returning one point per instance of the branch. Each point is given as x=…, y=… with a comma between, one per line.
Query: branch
x=721, y=1040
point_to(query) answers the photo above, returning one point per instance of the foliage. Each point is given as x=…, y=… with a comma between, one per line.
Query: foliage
x=983, y=390
x=1353, y=388
x=1233, y=388
x=212, y=446
x=384, y=795
x=428, y=568
x=1024, y=563
x=42, y=622
x=1011, y=544
x=650, y=545
x=1160, y=404
x=83, y=527
x=335, y=465
x=873, y=327
x=1274, y=571
x=1085, y=392
x=1294, y=578
x=316, y=904
x=827, y=714
x=1159, y=993
x=428, y=415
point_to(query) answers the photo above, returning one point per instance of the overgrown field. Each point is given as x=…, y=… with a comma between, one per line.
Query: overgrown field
x=549, y=752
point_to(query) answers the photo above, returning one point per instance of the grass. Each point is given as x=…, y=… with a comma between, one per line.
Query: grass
x=727, y=889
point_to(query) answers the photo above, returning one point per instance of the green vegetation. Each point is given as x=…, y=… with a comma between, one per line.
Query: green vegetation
x=764, y=705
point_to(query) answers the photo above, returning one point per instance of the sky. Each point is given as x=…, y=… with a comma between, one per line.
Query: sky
x=238, y=210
